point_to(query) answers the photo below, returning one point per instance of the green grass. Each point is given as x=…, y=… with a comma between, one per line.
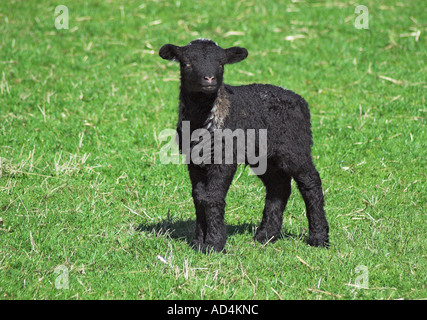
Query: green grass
x=81, y=184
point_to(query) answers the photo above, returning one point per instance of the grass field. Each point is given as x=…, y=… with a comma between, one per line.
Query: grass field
x=85, y=201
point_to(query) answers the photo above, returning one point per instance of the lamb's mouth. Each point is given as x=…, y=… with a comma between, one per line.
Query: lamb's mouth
x=208, y=88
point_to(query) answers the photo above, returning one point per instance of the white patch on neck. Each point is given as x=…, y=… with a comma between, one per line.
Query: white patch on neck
x=218, y=113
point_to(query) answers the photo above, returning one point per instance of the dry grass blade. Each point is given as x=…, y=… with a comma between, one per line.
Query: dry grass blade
x=305, y=263
x=325, y=292
x=234, y=33
x=399, y=82
x=295, y=37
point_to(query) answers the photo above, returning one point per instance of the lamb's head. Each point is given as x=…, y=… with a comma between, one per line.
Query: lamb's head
x=202, y=63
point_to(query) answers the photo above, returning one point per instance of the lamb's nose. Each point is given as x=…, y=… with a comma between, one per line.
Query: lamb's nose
x=210, y=78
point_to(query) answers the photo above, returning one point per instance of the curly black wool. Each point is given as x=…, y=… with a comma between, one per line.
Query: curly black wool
x=206, y=102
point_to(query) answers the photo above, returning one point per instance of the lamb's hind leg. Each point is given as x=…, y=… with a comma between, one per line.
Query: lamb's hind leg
x=278, y=189
x=310, y=186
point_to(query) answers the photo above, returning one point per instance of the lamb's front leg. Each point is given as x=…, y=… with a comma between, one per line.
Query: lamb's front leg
x=198, y=177
x=200, y=232
x=209, y=199
x=216, y=235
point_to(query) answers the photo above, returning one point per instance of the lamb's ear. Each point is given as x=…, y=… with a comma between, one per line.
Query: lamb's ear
x=170, y=52
x=236, y=54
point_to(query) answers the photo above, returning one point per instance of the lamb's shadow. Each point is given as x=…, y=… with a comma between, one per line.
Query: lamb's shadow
x=184, y=230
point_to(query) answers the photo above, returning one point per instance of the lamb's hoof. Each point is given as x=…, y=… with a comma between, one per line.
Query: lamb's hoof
x=319, y=241
x=195, y=243
x=263, y=237
x=207, y=248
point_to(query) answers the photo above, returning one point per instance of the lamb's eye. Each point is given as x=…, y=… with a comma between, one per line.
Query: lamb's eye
x=221, y=65
x=186, y=65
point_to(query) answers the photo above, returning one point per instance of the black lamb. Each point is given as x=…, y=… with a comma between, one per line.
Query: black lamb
x=208, y=103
